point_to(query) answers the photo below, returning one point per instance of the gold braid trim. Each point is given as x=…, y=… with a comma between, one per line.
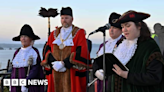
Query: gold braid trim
x=118, y=83
x=77, y=65
x=155, y=55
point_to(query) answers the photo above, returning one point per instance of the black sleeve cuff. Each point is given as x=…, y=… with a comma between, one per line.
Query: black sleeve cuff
x=130, y=77
x=51, y=59
x=95, y=68
x=67, y=63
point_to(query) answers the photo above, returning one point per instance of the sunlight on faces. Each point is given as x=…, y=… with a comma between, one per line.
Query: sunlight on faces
x=130, y=30
x=66, y=20
x=25, y=40
x=114, y=32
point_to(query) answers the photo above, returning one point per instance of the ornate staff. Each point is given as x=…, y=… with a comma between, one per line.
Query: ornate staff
x=89, y=84
x=48, y=13
x=30, y=62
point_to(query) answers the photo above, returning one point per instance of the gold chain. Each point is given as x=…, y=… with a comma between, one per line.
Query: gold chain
x=62, y=40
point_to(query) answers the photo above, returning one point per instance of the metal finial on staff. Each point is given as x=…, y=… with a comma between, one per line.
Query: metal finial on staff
x=30, y=62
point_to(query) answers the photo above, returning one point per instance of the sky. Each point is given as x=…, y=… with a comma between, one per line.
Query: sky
x=88, y=14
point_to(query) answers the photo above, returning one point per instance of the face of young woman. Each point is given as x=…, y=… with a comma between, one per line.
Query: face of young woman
x=130, y=30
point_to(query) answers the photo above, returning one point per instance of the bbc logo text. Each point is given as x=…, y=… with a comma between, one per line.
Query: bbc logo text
x=24, y=82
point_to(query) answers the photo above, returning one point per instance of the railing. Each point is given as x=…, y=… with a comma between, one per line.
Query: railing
x=5, y=73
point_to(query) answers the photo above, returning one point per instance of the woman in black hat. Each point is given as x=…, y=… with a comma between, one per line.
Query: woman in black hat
x=24, y=57
x=142, y=56
x=115, y=39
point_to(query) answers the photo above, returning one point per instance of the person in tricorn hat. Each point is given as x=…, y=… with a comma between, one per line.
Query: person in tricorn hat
x=65, y=59
x=112, y=43
x=22, y=56
x=140, y=54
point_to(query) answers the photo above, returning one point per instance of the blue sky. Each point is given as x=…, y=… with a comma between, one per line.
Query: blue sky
x=88, y=14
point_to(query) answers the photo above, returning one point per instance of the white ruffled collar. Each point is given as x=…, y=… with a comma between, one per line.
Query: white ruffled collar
x=66, y=29
x=131, y=42
x=118, y=38
x=109, y=46
x=21, y=58
x=64, y=32
x=27, y=48
x=126, y=50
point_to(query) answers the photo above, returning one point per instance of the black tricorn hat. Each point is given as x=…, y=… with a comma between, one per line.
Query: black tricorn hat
x=132, y=16
x=113, y=16
x=26, y=30
x=66, y=11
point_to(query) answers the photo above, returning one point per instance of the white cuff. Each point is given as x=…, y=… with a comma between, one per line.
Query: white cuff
x=24, y=89
x=100, y=74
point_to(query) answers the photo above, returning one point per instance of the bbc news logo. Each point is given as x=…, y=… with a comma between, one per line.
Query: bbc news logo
x=23, y=82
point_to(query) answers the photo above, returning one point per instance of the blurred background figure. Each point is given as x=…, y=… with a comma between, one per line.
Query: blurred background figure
x=159, y=31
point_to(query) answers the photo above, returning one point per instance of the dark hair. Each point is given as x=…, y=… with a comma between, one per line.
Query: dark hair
x=144, y=31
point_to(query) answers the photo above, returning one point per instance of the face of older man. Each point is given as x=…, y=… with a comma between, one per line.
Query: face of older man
x=25, y=41
x=66, y=20
x=114, y=32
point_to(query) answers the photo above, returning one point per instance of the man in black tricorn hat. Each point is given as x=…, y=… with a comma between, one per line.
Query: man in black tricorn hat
x=111, y=44
x=66, y=55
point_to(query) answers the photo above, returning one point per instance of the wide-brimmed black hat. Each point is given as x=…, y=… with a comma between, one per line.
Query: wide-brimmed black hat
x=132, y=16
x=26, y=30
x=66, y=11
x=113, y=16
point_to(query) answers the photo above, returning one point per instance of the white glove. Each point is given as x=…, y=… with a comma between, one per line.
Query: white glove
x=62, y=69
x=100, y=74
x=24, y=89
x=57, y=65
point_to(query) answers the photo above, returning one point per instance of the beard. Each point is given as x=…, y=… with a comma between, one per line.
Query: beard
x=65, y=25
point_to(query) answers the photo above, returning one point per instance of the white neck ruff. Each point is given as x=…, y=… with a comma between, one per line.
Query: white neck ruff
x=126, y=50
x=109, y=46
x=21, y=58
x=64, y=33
